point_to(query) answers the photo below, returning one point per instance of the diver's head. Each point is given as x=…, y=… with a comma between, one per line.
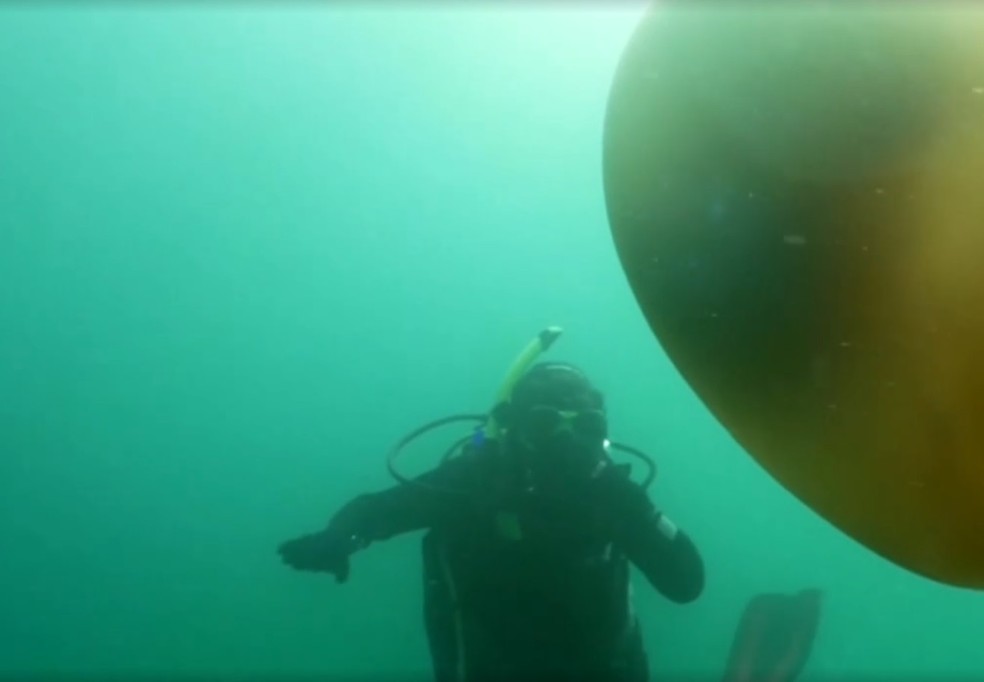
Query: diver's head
x=557, y=420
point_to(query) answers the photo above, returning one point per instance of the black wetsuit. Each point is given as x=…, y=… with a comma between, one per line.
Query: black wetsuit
x=523, y=585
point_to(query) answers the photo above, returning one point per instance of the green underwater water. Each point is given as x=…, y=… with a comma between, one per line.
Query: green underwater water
x=243, y=250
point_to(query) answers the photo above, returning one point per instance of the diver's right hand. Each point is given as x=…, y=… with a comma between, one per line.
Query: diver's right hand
x=325, y=552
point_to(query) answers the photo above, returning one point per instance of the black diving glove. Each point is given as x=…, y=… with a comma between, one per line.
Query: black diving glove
x=325, y=552
x=619, y=497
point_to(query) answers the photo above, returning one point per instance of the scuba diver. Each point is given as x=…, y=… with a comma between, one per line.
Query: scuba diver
x=531, y=531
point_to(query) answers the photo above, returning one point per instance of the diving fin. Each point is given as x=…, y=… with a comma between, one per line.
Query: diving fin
x=774, y=637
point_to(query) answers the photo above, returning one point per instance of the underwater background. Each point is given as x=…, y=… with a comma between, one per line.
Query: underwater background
x=244, y=249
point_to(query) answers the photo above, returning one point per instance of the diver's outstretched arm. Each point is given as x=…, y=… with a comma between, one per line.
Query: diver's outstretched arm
x=377, y=516
x=406, y=507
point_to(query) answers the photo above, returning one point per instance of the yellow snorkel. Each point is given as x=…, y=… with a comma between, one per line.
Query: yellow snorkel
x=540, y=344
x=489, y=427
